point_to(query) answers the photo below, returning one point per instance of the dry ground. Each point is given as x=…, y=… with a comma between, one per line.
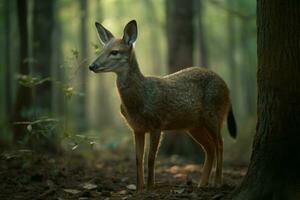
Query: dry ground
x=24, y=175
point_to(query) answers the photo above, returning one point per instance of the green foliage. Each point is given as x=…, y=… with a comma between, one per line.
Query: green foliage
x=38, y=129
x=31, y=81
x=75, y=53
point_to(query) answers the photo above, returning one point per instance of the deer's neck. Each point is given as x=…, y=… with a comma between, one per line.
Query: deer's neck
x=131, y=85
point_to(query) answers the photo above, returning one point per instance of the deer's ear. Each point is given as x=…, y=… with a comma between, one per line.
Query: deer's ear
x=130, y=32
x=104, y=34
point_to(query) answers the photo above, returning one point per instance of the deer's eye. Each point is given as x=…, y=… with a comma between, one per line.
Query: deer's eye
x=114, y=52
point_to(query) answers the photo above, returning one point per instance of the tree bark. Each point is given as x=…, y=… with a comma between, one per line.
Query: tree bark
x=81, y=101
x=180, y=34
x=275, y=162
x=57, y=72
x=43, y=26
x=8, y=87
x=24, y=94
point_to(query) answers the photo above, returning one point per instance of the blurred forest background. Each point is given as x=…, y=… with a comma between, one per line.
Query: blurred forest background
x=50, y=101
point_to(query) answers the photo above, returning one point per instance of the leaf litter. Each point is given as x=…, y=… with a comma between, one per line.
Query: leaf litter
x=74, y=177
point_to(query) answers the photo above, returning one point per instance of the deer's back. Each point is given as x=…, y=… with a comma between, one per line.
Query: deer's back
x=191, y=96
x=181, y=100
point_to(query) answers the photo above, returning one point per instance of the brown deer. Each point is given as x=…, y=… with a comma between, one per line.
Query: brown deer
x=195, y=100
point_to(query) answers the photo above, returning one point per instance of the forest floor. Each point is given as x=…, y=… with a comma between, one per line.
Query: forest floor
x=24, y=175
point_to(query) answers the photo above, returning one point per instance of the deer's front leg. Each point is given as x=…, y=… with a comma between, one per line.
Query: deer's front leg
x=154, y=143
x=139, y=150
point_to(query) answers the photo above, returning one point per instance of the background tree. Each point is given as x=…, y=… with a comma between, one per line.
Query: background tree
x=43, y=26
x=155, y=45
x=247, y=52
x=203, y=50
x=24, y=94
x=8, y=86
x=81, y=106
x=180, y=33
x=57, y=71
x=274, y=169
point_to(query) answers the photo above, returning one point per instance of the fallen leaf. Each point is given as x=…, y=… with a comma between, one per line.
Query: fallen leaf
x=29, y=127
x=89, y=186
x=83, y=198
x=122, y=192
x=131, y=187
x=218, y=196
x=47, y=192
x=124, y=179
x=74, y=147
x=50, y=183
x=72, y=191
x=179, y=191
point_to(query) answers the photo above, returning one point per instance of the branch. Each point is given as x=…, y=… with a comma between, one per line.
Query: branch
x=241, y=15
x=36, y=122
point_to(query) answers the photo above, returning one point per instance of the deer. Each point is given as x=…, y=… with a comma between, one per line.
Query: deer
x=195, y=100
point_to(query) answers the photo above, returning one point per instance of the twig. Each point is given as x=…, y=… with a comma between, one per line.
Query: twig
x=37, y=121
x=241, y=15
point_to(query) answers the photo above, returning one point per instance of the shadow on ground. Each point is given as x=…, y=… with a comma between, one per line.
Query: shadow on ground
x=24, y=175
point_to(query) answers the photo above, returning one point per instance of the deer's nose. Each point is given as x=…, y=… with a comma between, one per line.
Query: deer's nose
x=93, y=66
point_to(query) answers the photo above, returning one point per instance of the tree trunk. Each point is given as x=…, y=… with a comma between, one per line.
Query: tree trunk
x=8, y=88
x=203, y=50
x=274, y=168
x=24, y=94
x=82, y=106
x=57, y=60
x=43, y=23
x=180, y=33
x=155, y=49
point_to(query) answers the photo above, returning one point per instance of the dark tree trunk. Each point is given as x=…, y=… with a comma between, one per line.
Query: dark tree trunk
x=43, y=23
x=57, y=60
x=203, y=50
x=82, y=106
x=274, y=168
x=8, y=71
x=180, y=34
x=24, y=94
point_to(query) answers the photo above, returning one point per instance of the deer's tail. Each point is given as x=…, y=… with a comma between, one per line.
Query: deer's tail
x=231, y=124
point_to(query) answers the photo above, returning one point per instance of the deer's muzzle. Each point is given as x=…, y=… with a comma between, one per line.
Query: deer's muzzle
x=93, y=67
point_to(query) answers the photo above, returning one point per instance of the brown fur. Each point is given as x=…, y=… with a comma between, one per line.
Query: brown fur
x=194, y=100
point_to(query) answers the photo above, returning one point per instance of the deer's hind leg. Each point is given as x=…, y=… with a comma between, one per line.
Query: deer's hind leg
x=203, y=137
x=219, y=163
x=214, y=129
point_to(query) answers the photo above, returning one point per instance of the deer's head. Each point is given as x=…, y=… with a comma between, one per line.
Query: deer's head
x=116, y=53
